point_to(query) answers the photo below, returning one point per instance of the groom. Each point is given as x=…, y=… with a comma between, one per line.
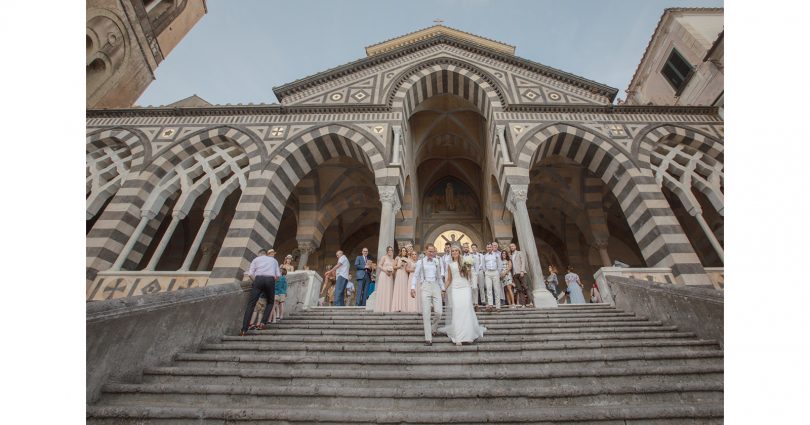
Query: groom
x=430, y=273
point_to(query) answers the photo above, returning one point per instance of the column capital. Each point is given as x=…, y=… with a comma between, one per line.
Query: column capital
x=306, y=246
x=397, y=130
x=600, y=243
x=518, y=193
x=389, y=194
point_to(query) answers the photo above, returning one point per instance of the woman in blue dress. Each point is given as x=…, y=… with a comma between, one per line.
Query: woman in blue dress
x=574, y=287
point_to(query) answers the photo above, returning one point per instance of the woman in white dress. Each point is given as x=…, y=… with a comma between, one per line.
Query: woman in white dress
x=574, y=287
x=463, y=324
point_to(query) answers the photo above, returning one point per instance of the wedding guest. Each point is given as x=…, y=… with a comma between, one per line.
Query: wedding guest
x=288, y=264
x=372, y=276
x=524, y=296
x=349, y=293
x=280, y=297
x=552, y=281
x=574, y=287
x=341, y=270
x=328, y=289
x=399, y=300
x=362, y=275
x=385, y=282
x=506, y=278
x=446, y=256
x=479, y=295
x=496, y=249
x=263, y=271
x=596, y=297
x=414, y=303
x=492, y=267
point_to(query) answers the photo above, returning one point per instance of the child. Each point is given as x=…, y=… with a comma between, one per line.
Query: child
x=349, y=293
x=281, y=296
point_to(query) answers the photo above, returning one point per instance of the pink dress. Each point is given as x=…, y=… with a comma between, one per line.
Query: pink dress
x=399, y=301
x=414, y=304
x=384, y=288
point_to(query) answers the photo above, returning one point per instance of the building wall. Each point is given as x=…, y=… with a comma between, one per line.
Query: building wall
x=692, y=34
x=124, y=48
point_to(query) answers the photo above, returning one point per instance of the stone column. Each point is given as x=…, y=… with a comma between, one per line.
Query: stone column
x=390, y=205
x=698, y=213
x=177, y=216
x=500, y=133
x=207, y=217
x=122, y=257
x=601, y=245
x=395, y=158
x=517, y=205
x=306, y=248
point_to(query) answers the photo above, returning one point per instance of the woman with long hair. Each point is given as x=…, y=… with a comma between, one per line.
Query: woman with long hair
x=414, y=303
x=399, y=299
x=463, y=325
x=506, y=278
x=384, y=289
x=574, y=287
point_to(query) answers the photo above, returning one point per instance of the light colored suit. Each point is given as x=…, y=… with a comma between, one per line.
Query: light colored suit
x=430, y=274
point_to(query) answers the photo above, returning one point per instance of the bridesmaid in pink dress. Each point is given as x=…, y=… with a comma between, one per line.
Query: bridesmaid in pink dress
x=414, y=304
x=401, y=294
x=384, y=288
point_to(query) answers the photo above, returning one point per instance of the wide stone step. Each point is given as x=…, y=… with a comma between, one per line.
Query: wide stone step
x=484, y=321
x=360, y=327
x=504, y=311
x=479, y=377
x=316, y=397
x=709, y=413
x=410, y=331
x=442, y=346
x=489, y=337
x=489, y=361
x=481, y=314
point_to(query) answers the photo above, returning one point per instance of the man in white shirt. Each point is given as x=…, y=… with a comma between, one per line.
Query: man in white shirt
x=342, y=277
x=492, y=275
x=263, y=272
x=469, y=254
x=479, y=295
x=446, y=256
x=430, y=271
x=524, y=296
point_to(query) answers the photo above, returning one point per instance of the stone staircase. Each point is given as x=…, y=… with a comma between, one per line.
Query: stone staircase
x=584, y=364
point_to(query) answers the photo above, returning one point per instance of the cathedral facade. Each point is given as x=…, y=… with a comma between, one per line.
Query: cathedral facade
x=436, y=135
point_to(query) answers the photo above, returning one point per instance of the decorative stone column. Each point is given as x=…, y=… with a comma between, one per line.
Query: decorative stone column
x=306, y=248
x=517, y=205
x=698, y=213
x=146, y=215
x=395, y=157
x=177, y=216
x=207, y=217
x=601, y=245
x=390, y=205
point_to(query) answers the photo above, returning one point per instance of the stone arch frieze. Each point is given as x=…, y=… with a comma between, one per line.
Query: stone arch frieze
x=446, y=75
x=647, y=139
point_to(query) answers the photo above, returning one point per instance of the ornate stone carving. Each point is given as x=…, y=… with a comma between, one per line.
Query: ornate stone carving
x=306, y=247
x=517, y=194
x=389, y=194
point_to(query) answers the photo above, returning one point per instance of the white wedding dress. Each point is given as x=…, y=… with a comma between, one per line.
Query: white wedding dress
x=462, y=323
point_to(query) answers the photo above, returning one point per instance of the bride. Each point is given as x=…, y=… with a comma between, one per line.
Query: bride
x=462, y=324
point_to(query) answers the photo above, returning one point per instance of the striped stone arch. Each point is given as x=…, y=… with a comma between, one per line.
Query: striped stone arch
x=117, y=223
x=656, y=230
x=135, y=140
x=446, y=76
x=259, y=212
x=647, y=140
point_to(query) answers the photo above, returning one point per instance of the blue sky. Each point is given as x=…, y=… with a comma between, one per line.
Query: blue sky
x=242, y=49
